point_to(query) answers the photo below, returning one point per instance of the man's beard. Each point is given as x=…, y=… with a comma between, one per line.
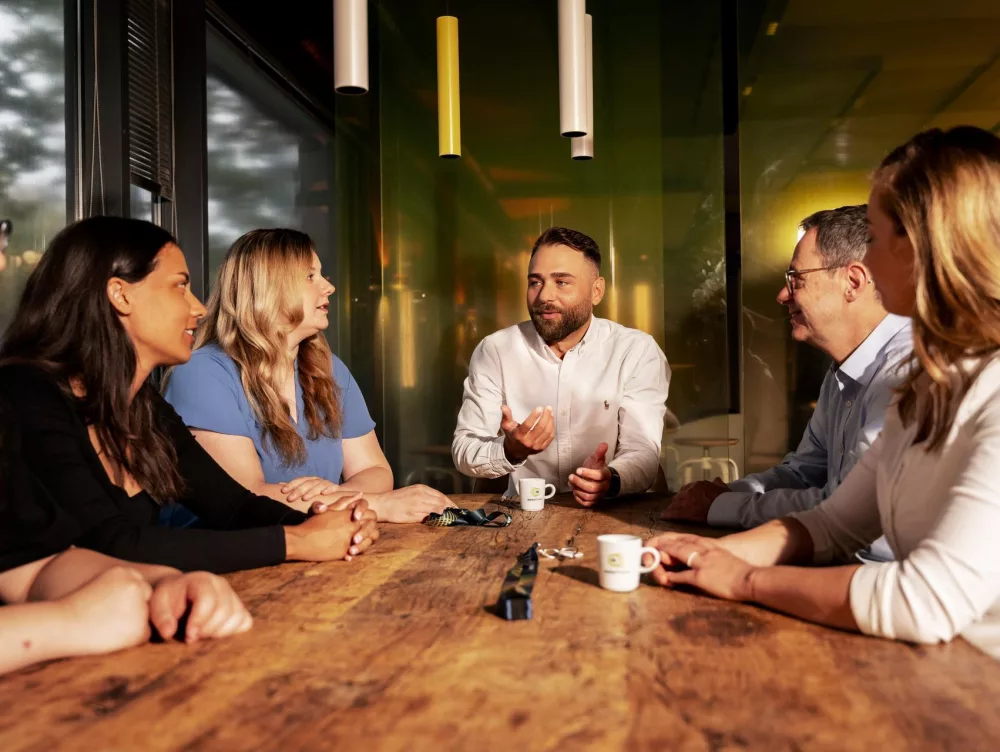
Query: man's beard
x=554, y=330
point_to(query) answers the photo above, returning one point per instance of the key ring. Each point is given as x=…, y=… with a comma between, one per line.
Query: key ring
x=566, y=552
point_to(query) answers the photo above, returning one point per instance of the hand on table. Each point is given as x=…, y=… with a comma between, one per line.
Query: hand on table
x=343, y=532
x=704, y=563
x=590, y=483
x=521, y=440
x=408, y=504
x=213, y=608
x=692, y=502
x=308, y=488
x=111, y=612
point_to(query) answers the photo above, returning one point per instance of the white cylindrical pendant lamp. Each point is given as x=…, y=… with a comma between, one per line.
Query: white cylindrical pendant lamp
x=449, y=116
x=583, y=146
x=350, y=46
x=572, y=68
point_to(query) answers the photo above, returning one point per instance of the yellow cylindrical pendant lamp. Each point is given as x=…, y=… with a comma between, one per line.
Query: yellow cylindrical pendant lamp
x=350, y=46
x=583, y=146
x=572, y=68
x=449, y=115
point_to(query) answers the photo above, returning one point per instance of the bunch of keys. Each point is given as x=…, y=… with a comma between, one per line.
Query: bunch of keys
x=566, y=552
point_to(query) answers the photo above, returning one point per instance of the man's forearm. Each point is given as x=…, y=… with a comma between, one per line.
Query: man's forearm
x=637, y=469
x=480, y=458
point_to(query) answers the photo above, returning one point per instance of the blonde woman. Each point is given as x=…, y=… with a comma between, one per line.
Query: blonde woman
x=267, y=399
x=930, y=482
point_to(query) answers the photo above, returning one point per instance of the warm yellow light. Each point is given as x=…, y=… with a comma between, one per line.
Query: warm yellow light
x=772, y=28
x=642, y=313
x=407, y=345
x=449, y=119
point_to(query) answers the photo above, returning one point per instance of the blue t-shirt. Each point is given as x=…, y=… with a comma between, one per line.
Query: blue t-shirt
x=208, y=394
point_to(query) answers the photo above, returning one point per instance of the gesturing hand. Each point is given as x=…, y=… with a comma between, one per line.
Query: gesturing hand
x=521, y=440
x=590, y=483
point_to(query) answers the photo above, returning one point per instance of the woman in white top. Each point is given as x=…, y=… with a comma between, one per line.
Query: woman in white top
x=931, y=482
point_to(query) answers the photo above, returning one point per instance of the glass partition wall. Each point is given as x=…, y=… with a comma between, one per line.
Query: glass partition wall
x=430, y=255
x=456, y=235
x=827, y=90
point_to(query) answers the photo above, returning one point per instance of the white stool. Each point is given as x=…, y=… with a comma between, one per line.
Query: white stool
x=709, y=467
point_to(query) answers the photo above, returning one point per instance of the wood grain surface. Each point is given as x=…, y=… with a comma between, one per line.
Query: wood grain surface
x=399, y=650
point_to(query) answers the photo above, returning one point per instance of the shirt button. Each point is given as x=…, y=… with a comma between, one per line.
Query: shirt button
x=848, y=403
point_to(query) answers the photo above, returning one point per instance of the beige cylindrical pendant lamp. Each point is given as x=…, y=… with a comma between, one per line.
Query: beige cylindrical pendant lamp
x=350, y=46
x=449, y=115
x=572, y=68
x=583, y=146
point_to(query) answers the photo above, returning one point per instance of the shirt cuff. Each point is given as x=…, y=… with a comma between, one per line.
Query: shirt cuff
x=499, y=463
x=631, y=482
x=861, y=595
x=822, y=546
x=726, y=510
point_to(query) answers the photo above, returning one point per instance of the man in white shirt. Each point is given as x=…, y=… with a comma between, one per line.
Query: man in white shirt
x=834, y=306
x=557, y=396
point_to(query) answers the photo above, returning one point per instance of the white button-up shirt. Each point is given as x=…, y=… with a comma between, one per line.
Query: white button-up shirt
x=611, y=387
x=939, y=511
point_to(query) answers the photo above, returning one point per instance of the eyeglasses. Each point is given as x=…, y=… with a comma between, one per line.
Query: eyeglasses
x=793, y=277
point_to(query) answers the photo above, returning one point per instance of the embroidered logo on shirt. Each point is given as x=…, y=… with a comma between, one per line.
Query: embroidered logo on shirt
x=606, y=405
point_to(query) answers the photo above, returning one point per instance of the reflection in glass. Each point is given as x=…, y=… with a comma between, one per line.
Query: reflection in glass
x=455, y=236
x=32, y=137
x=270, y=163
x=825, y=97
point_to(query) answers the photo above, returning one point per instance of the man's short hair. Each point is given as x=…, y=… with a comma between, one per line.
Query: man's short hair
x=841, y=234
x=573, y=239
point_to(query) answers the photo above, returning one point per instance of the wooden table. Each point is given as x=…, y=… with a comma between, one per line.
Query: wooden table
x=398, y=651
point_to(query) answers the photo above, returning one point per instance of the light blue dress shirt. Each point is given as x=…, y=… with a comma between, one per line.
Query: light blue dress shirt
x=848, y=418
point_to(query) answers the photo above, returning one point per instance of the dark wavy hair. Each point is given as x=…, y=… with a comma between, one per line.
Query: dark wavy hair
x=66, y=326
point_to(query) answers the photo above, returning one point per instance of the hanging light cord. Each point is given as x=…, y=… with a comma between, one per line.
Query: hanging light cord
x=96, y=152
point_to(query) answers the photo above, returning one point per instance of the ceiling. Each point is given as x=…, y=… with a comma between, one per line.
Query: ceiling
x=826, y=85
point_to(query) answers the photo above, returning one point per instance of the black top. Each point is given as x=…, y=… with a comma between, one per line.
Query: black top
x=244, y=529
x=32, y=525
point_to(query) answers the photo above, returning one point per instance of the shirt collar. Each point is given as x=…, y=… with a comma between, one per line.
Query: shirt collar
x=595, y=333
x=871, y=348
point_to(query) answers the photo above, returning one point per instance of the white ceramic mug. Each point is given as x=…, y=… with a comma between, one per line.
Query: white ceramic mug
x=621, y=561
x=533, y=492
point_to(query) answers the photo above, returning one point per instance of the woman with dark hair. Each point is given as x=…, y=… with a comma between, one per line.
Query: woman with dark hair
x=61, y=601
x=929, y=483
x=109, y=302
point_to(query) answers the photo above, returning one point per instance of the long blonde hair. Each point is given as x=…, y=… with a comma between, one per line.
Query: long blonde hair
x=942, y=189
x=255, y=304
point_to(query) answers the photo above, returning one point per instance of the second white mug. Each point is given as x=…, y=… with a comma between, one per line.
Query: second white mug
x=533, y=492
x=621, y=561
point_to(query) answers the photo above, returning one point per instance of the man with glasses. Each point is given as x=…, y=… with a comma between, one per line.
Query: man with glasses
x=833, y=306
